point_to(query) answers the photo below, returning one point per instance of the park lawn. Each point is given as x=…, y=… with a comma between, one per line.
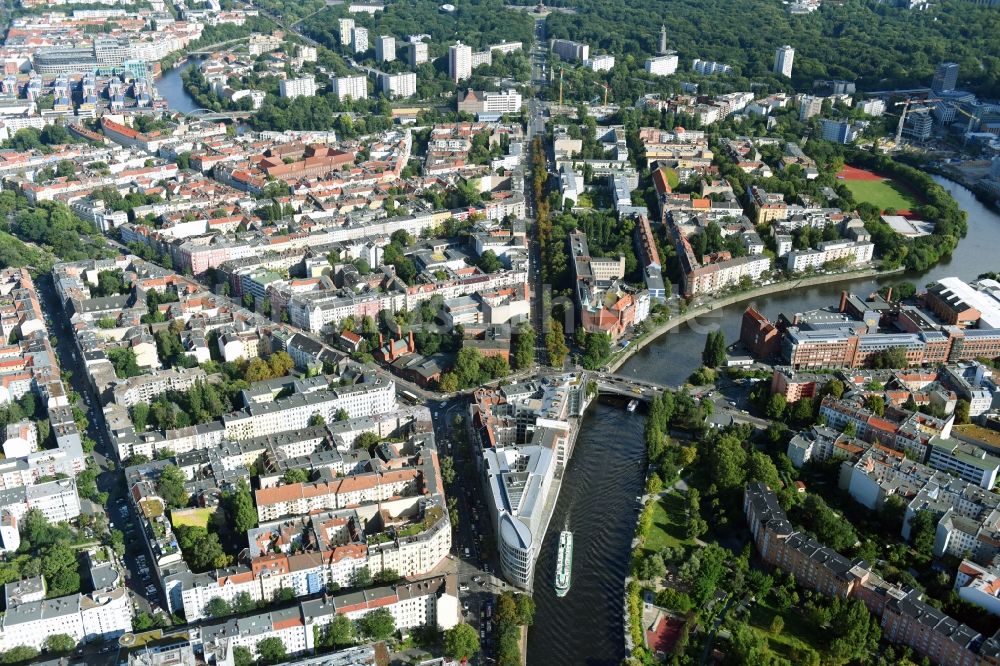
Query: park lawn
x=881, y=193
x=797, y=632
x=669, y=516
x=192, y=517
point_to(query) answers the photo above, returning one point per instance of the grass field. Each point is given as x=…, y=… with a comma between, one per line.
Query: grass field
x=668, y=524
x=192, y=517
x=797, y=633
x=881, y=193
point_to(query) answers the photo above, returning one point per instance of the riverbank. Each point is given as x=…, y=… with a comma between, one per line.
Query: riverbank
x=778, y=287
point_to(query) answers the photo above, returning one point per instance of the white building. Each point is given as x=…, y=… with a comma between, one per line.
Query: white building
x=399, y=85
x=851, y=251
x=459, y=62
x=783, y=59
x=350, y=87
x=709, y=67
x=346, y=31
x=416, y=53
x=570, y=51
x=872, y=107
x=664, y=65
x=600, y=63
x=301, y=87
x=385, y=48
x=359, y=39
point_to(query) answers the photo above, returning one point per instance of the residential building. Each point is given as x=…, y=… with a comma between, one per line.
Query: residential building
x=416, y=53
x=710, y=67
x=399, y=85
x=809, y=106
x=600, y=63
x=664, y=65
x=783, y=59
x=359, y=39
x=570, y=51
x=840, y=131
x=385, y=48
x=301, y=87
x=459, y=62
x=346, y=26
x=350, y=87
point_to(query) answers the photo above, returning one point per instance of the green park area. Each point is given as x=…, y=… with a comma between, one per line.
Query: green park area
x=669, y=519
x=790, y=635
x=884, y=194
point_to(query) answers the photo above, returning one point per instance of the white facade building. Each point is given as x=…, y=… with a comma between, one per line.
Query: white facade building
x=301, y=87
x=783, y=59
x=350, y=87
x=399, y=85
x=385, y=48
x=459, y=62
x=664, y=65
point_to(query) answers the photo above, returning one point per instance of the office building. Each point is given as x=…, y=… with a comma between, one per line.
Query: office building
x=945, y=78
x=570, y=51
x=350, y=87
x=300, y=87
x=385, y=48
x=399, y=85
x=459, y=62
x=664, y=65
x=359, y=39
x=783, y=59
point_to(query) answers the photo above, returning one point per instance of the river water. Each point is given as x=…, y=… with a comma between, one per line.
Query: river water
x=606, y=471
x=171, y=88
x=597, y=501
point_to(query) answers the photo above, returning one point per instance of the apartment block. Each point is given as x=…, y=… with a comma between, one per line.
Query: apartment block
x=301, y=87
x=350, y=87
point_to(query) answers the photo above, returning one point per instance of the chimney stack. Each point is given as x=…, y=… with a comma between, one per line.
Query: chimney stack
x=843, y=300
x=888, y=296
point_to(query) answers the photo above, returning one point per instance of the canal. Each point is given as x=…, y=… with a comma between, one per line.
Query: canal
x=171, y=88
x=606, y=471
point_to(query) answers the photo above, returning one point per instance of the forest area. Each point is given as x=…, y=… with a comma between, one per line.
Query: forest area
x=877, y=45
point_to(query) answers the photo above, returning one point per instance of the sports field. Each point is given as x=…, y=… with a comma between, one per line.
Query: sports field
x=874, y=189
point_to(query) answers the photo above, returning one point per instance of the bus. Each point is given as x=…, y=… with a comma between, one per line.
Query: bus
x=409, y=397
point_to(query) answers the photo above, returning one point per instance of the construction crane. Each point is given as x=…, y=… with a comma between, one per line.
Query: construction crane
x=605, y=86
x=560, y=85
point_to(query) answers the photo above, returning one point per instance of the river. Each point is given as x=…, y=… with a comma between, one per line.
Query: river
x=597, y=501
x=677, y=354
x=606, y=471
x=171, y=88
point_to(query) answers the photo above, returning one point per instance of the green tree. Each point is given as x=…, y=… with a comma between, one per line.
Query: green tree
x=271, y=650
x=524, y=347
x=714, y=354
x=555, y=344
x=124, y=362
x=61, y=643
x=923, y=527
x=295, y=475
x=61, y=570
x=386, y=576
x=378, y=624
x=776, y=405
x=489, y=263
x=244, y=513
x=242, y=656
x=218, y=607
x=18, y=654
x=362, y=577
x=461, y=642
x=340, y=632
x=170, y=487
